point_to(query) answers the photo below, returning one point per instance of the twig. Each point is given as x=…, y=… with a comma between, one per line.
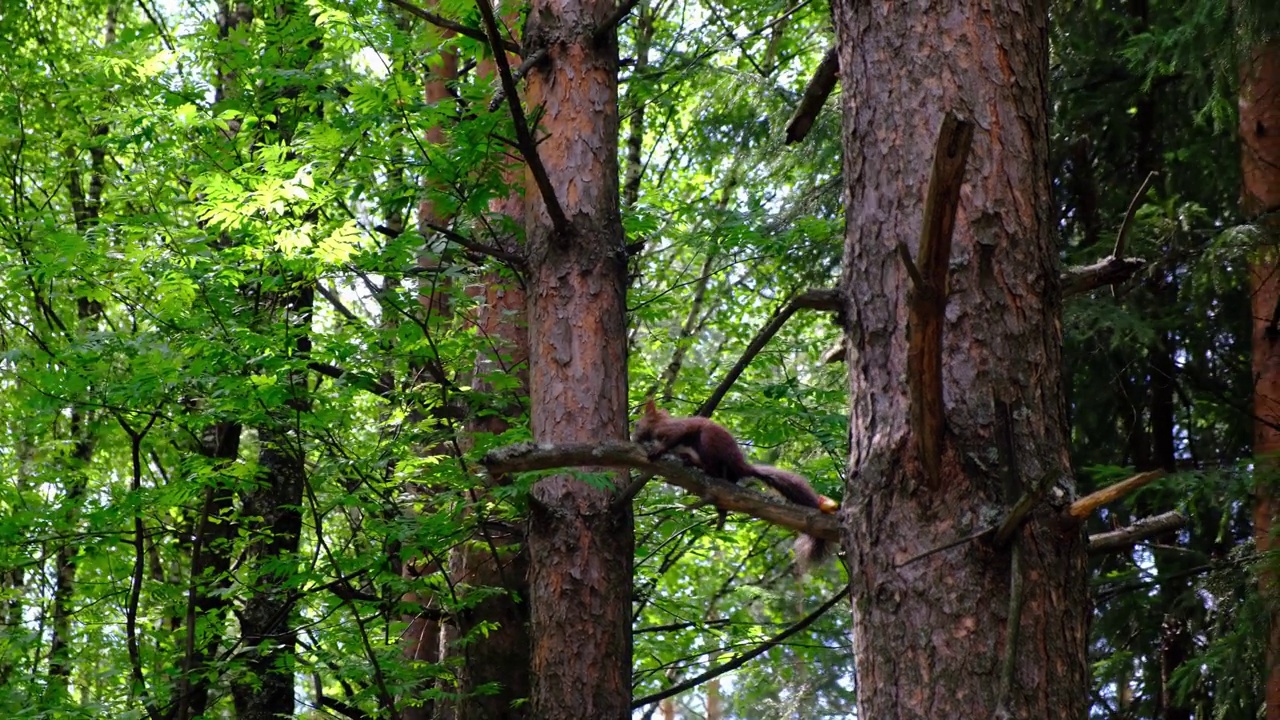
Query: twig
x=524, y=138
x=813, y=299
x=929, y=298
x=724, y=495
x=1118, y=252
x=814, y=97
x=447, y=24
x=745, y=657
x=1138, y=531
x=1084, y=507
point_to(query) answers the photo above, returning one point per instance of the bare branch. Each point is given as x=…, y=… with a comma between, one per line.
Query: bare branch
x=526, y=65
x=524, y=138
x=814, y=97
x=1141, y=530
x=1084, y=507
x=617, y=454
x=1128, y=216
x=820, y=299
x=929, y=298
x=497, y=253
x=447, y=24
x=745, y=657
x=1109, y=271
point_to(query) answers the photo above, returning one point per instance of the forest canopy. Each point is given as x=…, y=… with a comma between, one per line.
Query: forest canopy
x=278, y=286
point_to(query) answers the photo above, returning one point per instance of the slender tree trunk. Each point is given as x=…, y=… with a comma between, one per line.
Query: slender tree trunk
x=207, y=601
x=1260, y=163
x=424, y=635
x=580, y=543
x=931, y=633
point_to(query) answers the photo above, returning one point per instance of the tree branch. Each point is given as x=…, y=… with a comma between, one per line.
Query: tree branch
x=1141, y=530
x=617, y=454
x=1084, y=507
x=814, y=97
x=745, y=657
x=618, y=15
x=524, y=138
x=1108, y=271
x=928, y=299
x=818, y=299
x=526, y=65
x=447, y=24
x=1118, y=252
x=497, y=253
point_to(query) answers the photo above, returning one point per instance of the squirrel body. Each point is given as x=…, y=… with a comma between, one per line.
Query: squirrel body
x=709, y=446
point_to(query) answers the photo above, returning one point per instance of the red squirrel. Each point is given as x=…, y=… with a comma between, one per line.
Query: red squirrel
x=707, y=445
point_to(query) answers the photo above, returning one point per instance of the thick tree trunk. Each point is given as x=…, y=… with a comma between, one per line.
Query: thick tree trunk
x=580, y=544
x=1260, y=163
x=931, y=633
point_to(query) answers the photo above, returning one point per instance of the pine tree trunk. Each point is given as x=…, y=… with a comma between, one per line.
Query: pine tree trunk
x=1260, y=163
x=931, y=633
x=580, y=545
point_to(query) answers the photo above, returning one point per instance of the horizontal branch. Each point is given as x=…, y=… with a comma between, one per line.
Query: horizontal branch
x=726, y=496
x=1075, y=281
x=1109, y=271
x=1084, y=507
x=1141, y=530
x=447, y=24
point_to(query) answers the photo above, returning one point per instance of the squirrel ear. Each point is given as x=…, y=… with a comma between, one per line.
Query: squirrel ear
x=649, y=407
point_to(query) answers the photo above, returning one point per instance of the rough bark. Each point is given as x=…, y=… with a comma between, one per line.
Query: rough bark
x=497, y=559
x=580, y=544
x=934, y=638
x=1260, y=163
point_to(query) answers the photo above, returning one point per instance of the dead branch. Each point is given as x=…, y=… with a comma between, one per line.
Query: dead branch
x=1118, y=252
x=812, y=299
x=447, y=24
x=814, y=97
x=928, y=300
x=524, y=137
x=1141, y=530
x=617, y=454
x=1084, y=507
x=1108, y=271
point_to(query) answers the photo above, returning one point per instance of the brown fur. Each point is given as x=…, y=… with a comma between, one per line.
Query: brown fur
x=707, y=445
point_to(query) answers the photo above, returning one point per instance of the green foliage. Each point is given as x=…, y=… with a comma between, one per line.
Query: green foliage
x=171, y=195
